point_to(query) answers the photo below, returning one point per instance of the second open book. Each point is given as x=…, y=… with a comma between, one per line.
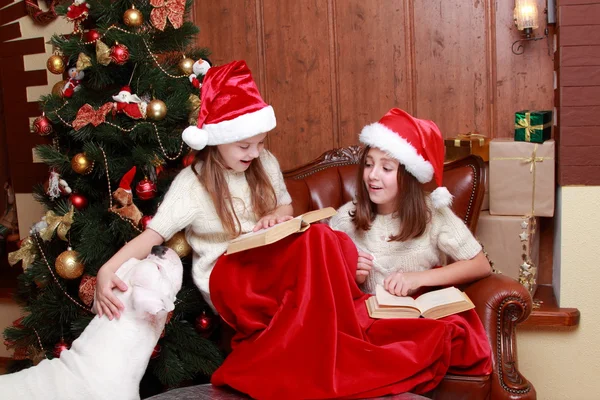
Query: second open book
x=435, y=304
x=277, y=232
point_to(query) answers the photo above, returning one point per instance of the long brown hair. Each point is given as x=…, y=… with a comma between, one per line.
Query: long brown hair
x=211, y=175
x=411, y=207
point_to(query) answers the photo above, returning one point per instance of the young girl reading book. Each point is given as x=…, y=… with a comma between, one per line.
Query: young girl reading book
x=401, y=231
x=233, y=186
x=301, y=322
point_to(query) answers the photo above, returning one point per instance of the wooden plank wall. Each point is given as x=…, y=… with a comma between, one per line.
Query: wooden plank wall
x=578, y=99
x=329, y=67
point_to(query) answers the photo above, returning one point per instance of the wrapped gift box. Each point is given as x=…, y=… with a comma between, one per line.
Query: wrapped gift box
x=469, y=143
x=486, y=181
x=513, y=245
x=521, y=178
x=533, y=126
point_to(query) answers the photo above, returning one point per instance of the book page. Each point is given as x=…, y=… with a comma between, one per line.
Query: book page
x=317, y=215
x=385, y=298
x=293, y=221
x=439, y=297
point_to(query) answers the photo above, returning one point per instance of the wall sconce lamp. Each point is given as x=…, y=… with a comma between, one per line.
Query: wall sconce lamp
x=526, y=20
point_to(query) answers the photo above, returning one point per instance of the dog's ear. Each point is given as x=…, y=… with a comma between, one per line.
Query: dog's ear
x=150, y=301
x=151, y=292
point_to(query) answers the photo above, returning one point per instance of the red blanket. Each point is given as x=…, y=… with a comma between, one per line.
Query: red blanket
x=303, y=331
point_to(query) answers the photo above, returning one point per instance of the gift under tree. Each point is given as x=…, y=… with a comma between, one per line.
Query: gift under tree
x=114, y=125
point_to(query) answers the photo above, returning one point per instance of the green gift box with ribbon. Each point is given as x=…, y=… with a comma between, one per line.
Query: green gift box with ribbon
x=533, y=126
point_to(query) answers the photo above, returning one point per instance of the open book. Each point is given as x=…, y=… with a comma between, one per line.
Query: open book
x=435, y=304
x=277, y=232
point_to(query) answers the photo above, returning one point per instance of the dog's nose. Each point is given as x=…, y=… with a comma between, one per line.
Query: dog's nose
x=159, y=251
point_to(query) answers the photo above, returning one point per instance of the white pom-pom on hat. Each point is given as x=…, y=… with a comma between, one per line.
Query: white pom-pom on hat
x=441, y=197
x=195, y=137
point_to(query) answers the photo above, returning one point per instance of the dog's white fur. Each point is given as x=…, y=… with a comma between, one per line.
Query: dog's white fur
x=108, y=360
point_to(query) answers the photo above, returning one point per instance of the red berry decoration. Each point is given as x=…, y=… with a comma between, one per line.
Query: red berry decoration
x=92, y=35
x=78, y=201
x=60, y=347
x=145, y=189
x=119, y=54
x=42, y=126
x=145, y=221
x=156, y=351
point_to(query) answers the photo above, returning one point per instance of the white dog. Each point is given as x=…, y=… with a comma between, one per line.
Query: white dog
x=109, y=359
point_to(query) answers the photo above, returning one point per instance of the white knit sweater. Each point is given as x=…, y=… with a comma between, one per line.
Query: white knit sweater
x=445, y=235
x=187, y=205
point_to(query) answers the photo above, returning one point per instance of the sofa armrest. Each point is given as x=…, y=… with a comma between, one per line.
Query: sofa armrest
x=501, y=304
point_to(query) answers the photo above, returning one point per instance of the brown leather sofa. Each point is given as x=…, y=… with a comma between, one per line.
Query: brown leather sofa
x=501, y=302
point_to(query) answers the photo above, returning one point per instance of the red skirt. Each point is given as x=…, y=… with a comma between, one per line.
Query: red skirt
x=303, y=331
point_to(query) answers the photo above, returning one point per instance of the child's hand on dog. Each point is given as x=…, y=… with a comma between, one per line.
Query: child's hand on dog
x=105, y=301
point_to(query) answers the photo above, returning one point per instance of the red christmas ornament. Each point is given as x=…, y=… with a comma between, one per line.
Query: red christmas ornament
x=92, y=35
x=42, y=126
x=119, y=54
x=189, y=159
x=145, y=221
x=156, y=351
x=204, y=322
x=78, y=201
x=145, y=189
x=60, y=347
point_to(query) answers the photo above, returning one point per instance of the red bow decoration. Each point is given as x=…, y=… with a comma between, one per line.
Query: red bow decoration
x=163, y=9
x=87, y=115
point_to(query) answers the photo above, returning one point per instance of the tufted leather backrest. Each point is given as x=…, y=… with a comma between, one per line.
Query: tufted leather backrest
x=330, y=181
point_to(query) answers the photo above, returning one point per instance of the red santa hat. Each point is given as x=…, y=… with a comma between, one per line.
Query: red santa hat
x=125, y=89
x=126, y=180
x=231, y=108
x=415, y=143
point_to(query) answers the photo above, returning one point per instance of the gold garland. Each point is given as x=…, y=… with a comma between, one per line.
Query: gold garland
x=145, y=44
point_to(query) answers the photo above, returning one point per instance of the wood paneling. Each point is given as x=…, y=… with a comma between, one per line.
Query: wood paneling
x=298, y=73
x=579, y=92
x=451, y=65
x=331, y=67
x=373, y=50
x=579, y=56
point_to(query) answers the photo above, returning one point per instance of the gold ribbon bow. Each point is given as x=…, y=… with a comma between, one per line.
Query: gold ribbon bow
x=87, y=115
x=469, y=136
x=525, y=123
x=26, y=254
x=172, y=10
x=83, y=61
x=60, y=223
x=102, y=53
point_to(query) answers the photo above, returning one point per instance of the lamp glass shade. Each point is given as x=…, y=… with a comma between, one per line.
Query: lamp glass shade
x=526, y=14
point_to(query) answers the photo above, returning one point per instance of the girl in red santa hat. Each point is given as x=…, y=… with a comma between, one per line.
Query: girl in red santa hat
x=233, y=186
x=402, y=231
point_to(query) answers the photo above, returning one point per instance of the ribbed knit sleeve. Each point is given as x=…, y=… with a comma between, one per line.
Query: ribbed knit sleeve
x=453, y=236
x=271, y=166
x=180, y=205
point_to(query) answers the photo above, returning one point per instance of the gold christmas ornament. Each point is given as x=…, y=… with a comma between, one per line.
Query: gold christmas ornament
x=179, y=244
x=57, y=89
x=81, y=164
x=67, y=265
x=185, y=65
x=55, y=64
x=133, y=17
x=156, y=110
x=59, y=223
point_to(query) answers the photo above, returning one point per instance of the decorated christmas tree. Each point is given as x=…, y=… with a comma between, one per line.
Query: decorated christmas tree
x=114, y=126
